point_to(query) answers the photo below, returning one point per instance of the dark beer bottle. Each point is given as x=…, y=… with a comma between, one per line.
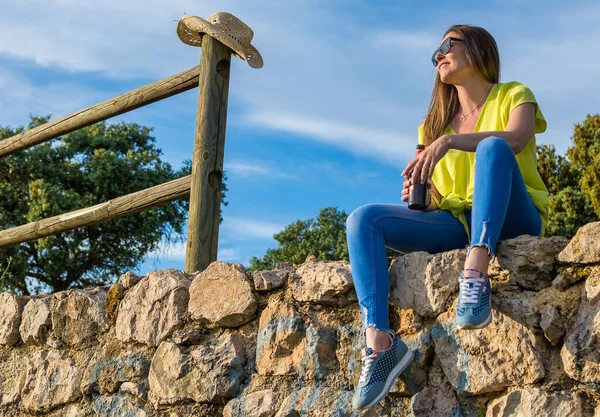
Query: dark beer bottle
x=418, y=198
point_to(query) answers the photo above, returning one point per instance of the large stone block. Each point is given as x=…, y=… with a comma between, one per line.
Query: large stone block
x=528, y=261
x=11, y=310
x=118, y=405
x=78, y=316
x=535, y=402
x=109, y=372
x=324, y=401
x=281, y=329
x=210, y=372
x=322, y=282
x=36, y=321
x=584, y=248
x=479, y=361
x=424, y=282
x=13, y=363
x=272, y=279
x=221, y=295
x=153, y=308
x=581, y=350
x=434, y=402
x=288, y=343
x=263, y=403
x=52, y=379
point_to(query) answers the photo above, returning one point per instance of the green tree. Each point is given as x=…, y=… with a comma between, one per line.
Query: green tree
x=323, y=237
x=572, y=180
x=81, y=169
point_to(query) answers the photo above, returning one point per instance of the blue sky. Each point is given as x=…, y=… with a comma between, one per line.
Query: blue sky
x=331, y=118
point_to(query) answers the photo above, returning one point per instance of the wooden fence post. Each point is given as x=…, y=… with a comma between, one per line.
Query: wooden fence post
x=207, y=164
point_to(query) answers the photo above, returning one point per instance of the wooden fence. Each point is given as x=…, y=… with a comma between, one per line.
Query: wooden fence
x=203, y=186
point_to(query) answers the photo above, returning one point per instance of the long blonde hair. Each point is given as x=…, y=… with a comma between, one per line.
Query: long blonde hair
x=482, y=53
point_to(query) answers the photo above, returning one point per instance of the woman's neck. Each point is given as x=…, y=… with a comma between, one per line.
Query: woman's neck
x=471, y=93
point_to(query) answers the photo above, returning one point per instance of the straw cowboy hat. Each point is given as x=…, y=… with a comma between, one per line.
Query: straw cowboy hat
x=224, y=27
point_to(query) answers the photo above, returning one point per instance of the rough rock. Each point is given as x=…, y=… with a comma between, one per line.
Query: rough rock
x=580, y=353
x=479, y=361
x=210, y=372
x=535, y=402
x=129, y=279
x=424, y=282
x=567, y=301
x=36, y=321
x=154, y=308
x=552, y=324
x=414, y=377
x=52, y=379
x=11, y=309
x=323, y=401
x=281, y=329
x=287, y=344
x=322, y=282
x=432, y=402
x=118, y=405
x=78, y=317
x=529, y=261
x=12, y=370
x=520, y=306
x=187, y=336
x=263, y=403
x=269, y=280
x=107, y=374
x=592, y=285
x=113, y=301
x=584, y=248
x=569, y=275
x=221, y=295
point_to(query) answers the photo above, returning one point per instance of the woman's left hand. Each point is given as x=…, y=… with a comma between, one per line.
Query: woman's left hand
x=423, y=164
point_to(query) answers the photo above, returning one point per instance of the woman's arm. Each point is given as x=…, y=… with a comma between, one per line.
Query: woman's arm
x=519, y=130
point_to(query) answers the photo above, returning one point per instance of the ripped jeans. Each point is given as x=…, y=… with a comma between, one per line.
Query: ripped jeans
x=501, y=209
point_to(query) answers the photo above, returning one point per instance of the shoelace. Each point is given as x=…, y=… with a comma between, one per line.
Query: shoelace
x=469, y=290
x=367, y=362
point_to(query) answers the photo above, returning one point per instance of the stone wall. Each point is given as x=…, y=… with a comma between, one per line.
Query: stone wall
x=286, y=343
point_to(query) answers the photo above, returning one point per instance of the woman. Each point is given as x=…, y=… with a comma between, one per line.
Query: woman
x=480, y=164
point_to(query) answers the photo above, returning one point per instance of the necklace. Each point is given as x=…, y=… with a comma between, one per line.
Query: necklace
x=464, y=116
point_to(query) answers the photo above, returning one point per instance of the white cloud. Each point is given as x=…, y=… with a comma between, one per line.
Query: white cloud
x=227, y=255
x=358, y=139
x=247, y=169
x=250, y=228
x=364, y=88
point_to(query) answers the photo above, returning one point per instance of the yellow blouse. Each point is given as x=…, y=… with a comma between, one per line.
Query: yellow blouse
x=454, y=173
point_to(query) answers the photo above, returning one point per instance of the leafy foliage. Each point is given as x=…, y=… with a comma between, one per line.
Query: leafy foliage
x=82, y=169
x=573, y=180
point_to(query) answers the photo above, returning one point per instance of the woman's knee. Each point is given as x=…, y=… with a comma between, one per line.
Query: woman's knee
x=363, y=215
x=493, y=146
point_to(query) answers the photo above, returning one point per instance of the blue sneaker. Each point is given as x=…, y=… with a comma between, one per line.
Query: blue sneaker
x=378, y=373
x=474, y=309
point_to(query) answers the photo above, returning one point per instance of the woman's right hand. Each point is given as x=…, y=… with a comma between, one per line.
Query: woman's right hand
x=406, y=190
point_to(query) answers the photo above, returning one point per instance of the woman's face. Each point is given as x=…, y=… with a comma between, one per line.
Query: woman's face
x=454, y=66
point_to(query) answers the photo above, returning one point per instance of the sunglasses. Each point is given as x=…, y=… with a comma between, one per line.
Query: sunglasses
x=444, y=48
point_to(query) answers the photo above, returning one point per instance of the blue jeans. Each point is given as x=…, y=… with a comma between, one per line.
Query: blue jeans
x=501, y=209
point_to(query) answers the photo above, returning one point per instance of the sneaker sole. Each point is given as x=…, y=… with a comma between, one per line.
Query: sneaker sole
x=398, y=369
x=467, y=326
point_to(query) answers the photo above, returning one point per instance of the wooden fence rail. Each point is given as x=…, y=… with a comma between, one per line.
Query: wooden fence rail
x=132, y=100
x=113, y=209
x=203, y=186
